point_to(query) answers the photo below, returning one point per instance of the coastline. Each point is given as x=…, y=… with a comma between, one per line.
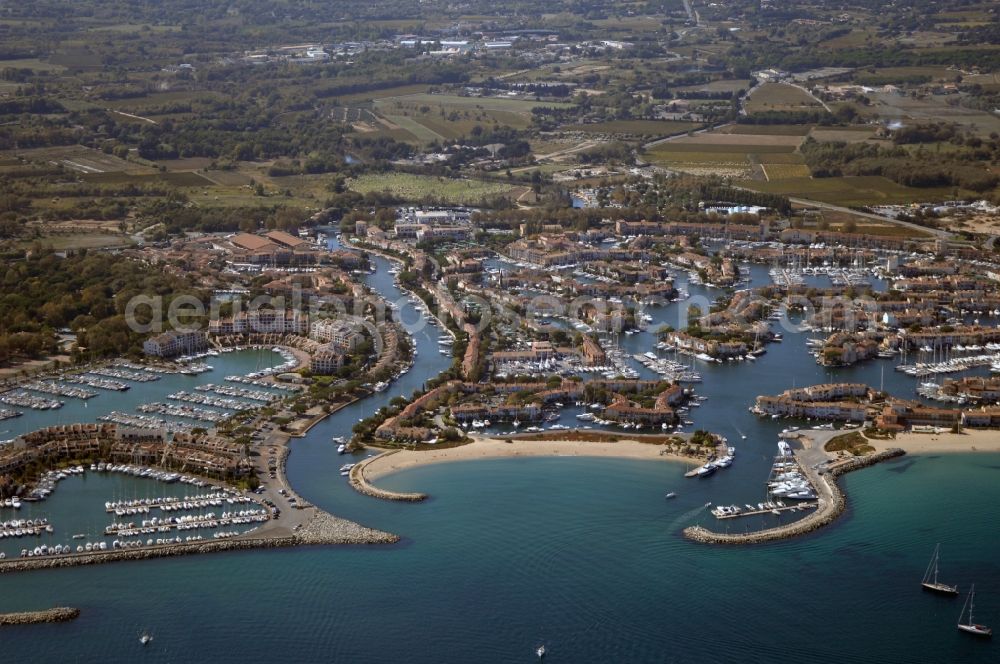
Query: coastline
x=970, y=441
x=492, y=448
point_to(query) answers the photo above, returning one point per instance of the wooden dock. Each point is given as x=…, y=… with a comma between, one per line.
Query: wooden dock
x=787, y=508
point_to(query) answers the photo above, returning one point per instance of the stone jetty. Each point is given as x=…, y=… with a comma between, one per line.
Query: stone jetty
x=57, y=614
x=321, y=528
x=362, y=485
x=831, y=505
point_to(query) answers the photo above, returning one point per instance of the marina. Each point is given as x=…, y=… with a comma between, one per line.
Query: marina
x=59, y=390
x=242, y=393
x=22, y=399
x=122, y=373
x=761, y=509
x=174, y=503
x=627, y=487
x=190, y=412
x=209, y=400
x=208, y=520
x=98, y=382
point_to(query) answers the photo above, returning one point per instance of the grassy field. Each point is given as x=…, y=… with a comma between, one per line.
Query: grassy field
x=932, y=108
x=838, y=220
x=471, y=103
x=844, y=134
x=780, y=97
x=186, y=163
x=416, y=187
x=83, y=160
x=766, y=130
x=453, y=129
x=936, y=72
x=679, y=147
x=664, y=157
x=425, y=117
x=784, y=171
x=34, y=64
x=853, y=39
x=82, y=241
x=783, y=158
x=724, y=85
x=739, y=141
x=419, y=131
x=638, y=127
x=849, y=191
x=180, y=179
x=372, y=95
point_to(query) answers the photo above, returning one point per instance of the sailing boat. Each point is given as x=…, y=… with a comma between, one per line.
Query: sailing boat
x=145, y=637
x=930, y=581
x=971, y=627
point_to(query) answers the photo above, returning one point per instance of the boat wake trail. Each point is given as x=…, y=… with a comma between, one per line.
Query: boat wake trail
x=685, y=519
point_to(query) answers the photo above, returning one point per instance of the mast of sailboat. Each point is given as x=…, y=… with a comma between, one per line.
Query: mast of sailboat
x=932, y=565
x=937, y=556
x=970, y=601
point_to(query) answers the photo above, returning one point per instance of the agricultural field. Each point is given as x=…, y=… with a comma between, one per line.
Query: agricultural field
x=853, y=39
x=766, y=130
x=416, y=129
x=384, y=93
x=724, y=164
x=34, y=64
x=849, y=191
x=735, y=152
x=715, y=140
x=841, y=134
x=774, y=171
x=780, y=97
x=83, y=160
x=635, y=127
x=418, y=187
x=472, y=103
x=723, y=85
x=60, y=242
x=175, y=179
x=932, y=108
x=935, y=72
x=424, y=118
x=782, y=158
x=185, y=163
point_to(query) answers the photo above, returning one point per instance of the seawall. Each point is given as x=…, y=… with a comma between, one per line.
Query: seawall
x=54, y=615
x=323, y=528
x=831, y=506
x=361, y=484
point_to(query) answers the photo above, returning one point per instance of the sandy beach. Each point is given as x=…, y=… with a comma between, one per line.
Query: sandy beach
x=971, y=440
x=490, y=448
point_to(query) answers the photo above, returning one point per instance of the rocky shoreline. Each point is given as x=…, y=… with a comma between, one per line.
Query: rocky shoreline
x=824, y=515
x=323, y=528
x=54, y=615
x=361, y=484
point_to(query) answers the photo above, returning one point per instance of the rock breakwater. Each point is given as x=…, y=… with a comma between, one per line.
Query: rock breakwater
x=322, y=528
x=833, y=502
x=54, y=615
x=361, y=484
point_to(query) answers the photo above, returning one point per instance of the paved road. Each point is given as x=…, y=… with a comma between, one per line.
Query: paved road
x=868, y=215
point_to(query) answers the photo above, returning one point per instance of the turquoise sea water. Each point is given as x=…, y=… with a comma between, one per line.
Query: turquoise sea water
x=581, y=554
x=584, y=555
